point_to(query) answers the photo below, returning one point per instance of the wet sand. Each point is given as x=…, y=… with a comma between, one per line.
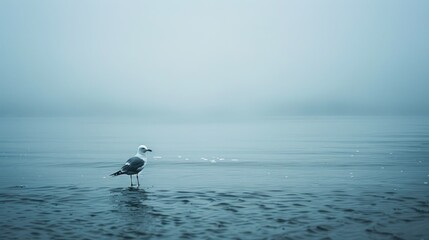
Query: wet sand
x=88, y=213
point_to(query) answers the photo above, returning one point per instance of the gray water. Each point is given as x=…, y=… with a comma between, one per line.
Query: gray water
x=277, y=178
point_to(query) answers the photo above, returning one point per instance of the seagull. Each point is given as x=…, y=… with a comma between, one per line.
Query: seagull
x=135, y=164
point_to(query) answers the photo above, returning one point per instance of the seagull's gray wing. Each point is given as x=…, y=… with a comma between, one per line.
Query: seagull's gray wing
x=133, y=165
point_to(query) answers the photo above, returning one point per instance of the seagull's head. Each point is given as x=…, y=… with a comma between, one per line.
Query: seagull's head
x=143, y=149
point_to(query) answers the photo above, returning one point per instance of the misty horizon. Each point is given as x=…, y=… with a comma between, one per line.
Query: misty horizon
x=225, y=58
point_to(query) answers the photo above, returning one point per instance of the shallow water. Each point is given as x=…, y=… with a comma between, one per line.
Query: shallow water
x=288, y=178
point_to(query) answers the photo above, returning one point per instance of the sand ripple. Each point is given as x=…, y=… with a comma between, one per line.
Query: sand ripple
x=83, y=212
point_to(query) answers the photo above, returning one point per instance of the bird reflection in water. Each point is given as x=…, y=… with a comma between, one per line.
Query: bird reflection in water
x=135, y=214
x=129, y=200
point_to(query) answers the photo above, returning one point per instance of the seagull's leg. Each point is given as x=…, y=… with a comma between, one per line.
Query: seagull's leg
x=138, y=183
x=131, y=178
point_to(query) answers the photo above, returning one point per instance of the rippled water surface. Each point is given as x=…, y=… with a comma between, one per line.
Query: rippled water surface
x=287, y=178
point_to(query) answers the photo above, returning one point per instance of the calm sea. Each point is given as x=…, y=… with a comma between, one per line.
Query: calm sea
x=274, y=178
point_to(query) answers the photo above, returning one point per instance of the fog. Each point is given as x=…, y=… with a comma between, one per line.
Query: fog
x=213, y=58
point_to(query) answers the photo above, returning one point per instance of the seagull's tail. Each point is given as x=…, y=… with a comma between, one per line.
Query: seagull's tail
x=117, y=173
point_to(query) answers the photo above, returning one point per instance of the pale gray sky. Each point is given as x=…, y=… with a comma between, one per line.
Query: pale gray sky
x=214, y=57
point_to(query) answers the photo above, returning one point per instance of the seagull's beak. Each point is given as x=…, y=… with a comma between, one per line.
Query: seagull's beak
x=149, y=150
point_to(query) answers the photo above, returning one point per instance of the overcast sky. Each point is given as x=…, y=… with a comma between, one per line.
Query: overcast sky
x=163, y=58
